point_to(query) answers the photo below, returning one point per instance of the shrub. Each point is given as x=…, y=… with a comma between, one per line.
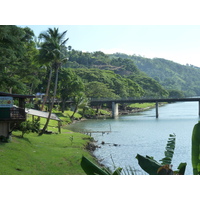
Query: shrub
x=28, y=126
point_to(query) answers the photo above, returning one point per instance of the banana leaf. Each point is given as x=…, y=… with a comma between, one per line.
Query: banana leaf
x=117, y=171
x=169, y=150
x=148, y=164
x=181, y=168
x=91, y=169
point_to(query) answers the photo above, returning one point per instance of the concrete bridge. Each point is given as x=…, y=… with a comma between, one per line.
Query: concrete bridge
x=115, y=102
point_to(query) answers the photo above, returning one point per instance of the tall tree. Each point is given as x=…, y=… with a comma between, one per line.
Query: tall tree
x=51, y=52
x=70, y=84
x=11, y=52
x=18, y=70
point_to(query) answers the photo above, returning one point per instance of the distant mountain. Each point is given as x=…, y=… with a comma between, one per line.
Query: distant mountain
x=169, y=74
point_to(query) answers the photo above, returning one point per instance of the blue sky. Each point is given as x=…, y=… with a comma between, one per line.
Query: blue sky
x=167, y=29
x=179, y=43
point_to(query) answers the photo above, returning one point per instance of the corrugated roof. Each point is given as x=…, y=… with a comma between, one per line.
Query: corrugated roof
x=42, y=114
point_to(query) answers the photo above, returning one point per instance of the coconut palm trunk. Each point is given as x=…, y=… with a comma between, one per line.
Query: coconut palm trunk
x=47, y=90
x=53, y=100
x=51, y=53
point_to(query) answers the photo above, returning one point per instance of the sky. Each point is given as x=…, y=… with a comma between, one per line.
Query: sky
x=168, y=29
x=178, y=43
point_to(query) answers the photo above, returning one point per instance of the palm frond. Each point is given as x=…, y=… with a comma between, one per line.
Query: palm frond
x=51, y=45
x=64, y=42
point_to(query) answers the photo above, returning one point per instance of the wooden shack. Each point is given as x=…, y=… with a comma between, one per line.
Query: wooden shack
x=10, y=114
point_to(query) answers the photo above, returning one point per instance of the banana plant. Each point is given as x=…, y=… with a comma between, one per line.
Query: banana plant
x=148, y=164
x=196, y=149
x=152, y=167
x=92, y=169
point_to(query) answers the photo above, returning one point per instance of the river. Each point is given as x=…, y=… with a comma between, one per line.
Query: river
x=141, y=133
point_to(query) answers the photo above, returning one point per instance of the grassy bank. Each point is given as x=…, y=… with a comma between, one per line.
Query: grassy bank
x=49, y=154
x=142, y=105
x=54, y=154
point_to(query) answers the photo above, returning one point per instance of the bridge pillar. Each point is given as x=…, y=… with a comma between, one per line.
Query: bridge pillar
x=156, y=109
x=115, y=111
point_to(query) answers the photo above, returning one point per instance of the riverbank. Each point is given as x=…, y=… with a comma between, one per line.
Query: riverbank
x=132, y=108
x=137, y=107
x=49, y=154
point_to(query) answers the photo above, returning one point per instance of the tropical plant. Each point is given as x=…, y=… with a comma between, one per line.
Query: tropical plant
x=196, y=149
x=51, y=51
x=70, y=84
x=18, y=72
x=148, y=164
x=28, y=126
x=47, y=90
x=92, y=169
x=99, y=90
x=79, y=100
x=152, y=167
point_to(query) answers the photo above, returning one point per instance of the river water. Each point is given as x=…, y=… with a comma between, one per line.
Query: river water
x=141, y=133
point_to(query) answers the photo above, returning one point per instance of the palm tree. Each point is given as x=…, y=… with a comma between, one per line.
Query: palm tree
x=51, y=52
x=47, y=89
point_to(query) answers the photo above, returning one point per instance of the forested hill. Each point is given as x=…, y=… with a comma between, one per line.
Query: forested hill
x=169, y=74
x=179, y=80
x=26, y=67
x=24, y=70
x=120, y=75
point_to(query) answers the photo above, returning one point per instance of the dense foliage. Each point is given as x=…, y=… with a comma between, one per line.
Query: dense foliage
x=121, y=76
x=19, y=71
x=26, y=66
x=172, y=76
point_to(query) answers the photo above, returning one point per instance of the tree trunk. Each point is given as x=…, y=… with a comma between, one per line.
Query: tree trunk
x=47, y=90
x=63, y=104
x=52, y=104
x=75, y=110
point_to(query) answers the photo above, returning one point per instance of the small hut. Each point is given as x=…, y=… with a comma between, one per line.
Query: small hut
x=10, y=114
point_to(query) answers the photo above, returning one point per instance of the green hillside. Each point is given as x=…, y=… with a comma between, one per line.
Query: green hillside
x=121, y=77
x=169, y=74
x=24, y=70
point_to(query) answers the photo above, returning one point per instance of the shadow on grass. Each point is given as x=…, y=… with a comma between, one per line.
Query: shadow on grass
x=22, y=138
x=2, y=143
x=60, y=114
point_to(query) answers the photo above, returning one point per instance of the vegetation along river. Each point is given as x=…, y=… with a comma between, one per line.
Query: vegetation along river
x=144, y=134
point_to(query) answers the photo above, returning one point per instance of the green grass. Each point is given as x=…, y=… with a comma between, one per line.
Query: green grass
x=54, y=154
x=104, y=112
x=142, y=105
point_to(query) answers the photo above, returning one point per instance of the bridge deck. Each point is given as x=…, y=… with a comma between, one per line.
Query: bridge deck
x=168, y=100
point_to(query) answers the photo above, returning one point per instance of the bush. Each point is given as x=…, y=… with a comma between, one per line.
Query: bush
x=28, y=126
